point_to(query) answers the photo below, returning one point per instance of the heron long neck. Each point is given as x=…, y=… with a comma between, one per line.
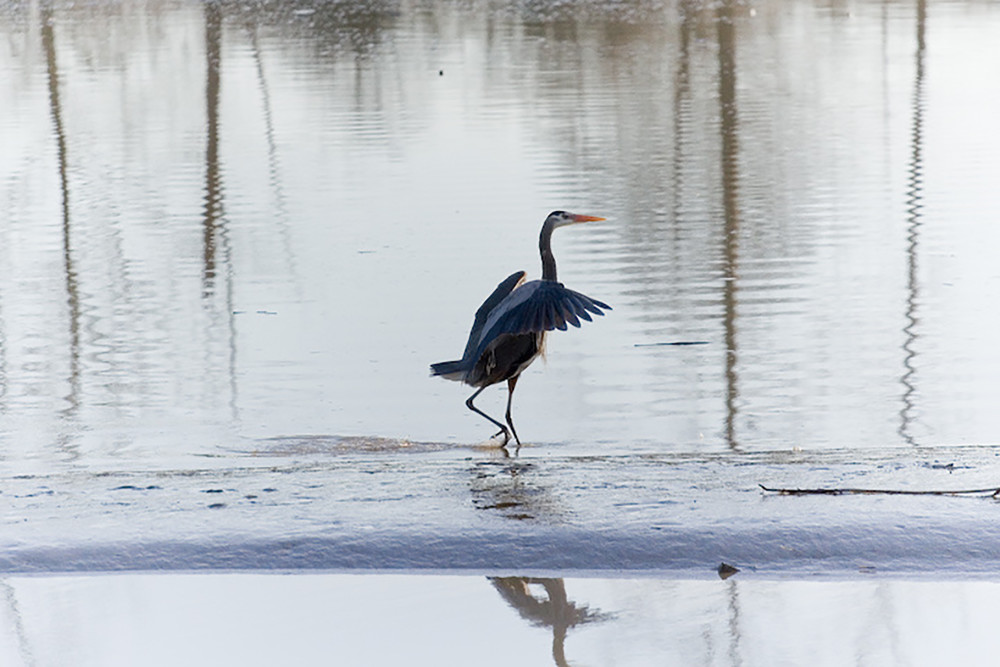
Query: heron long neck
x=545, y=248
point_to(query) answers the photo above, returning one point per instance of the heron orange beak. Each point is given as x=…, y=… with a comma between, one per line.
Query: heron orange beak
x=586, y=218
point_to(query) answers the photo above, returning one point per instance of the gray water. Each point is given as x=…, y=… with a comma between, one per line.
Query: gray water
x=251, y=619
x=227, y=222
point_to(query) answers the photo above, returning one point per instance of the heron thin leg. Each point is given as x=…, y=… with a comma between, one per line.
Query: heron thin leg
x=511, y=383
x=503, y=429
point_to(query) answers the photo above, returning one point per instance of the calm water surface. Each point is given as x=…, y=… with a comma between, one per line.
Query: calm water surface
x=230, y=221
x=384, y=620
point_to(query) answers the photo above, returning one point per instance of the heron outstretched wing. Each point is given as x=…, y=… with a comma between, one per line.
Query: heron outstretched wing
x=537, y=306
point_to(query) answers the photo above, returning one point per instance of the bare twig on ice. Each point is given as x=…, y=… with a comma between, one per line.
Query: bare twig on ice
x=992, y=492
x=679, y=343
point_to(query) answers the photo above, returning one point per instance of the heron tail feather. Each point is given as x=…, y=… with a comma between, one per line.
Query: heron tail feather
x=449, y=370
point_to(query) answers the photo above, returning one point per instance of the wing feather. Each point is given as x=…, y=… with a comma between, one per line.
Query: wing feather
x=535, y=307
x=576, y=304
x=534, y=322
x=593, y=305
x=548, y=317
x=569, y=314
x=555, y=311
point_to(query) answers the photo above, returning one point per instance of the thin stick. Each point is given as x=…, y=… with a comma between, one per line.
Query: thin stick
x=676, y=343
x=992, y=491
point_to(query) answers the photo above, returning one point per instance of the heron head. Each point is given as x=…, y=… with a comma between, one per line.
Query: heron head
x=563, y=218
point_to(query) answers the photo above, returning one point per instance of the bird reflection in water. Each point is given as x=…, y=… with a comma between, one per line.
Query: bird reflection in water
x=514, y=491
x=554, y=610
x=508, y=332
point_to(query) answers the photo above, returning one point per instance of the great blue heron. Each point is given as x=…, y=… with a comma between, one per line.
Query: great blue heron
x=509, y=329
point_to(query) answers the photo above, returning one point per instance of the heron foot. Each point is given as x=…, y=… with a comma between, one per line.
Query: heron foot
x=506, y=436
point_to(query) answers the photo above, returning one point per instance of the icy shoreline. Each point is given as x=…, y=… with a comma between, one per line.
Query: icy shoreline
x=431, y=509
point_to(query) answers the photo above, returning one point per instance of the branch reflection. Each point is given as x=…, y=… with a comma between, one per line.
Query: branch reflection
x=69, y=270
x=730, y=206
x=914, y=206
x=213, y=181
x=215, y=232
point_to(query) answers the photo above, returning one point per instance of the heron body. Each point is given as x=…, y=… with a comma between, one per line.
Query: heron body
x=509, y=329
